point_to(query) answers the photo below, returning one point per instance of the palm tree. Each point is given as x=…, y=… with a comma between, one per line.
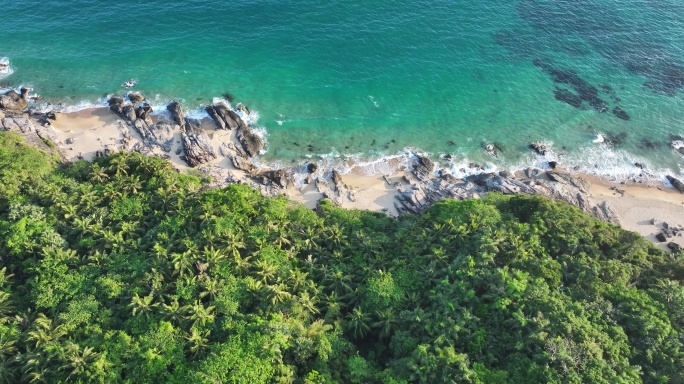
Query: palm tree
x=213, y=256
x=266, y=270
x=212, y=288
x=308, y=303
x=386, y=322
x=98, y=174
x=143, y=305
x=174, y=312
x=182, y=263
x=118, y=164
x=358, y=323
x=45, y=331
x=198, y=341
x=278, y=293
x=200, y=314
x=77, y=360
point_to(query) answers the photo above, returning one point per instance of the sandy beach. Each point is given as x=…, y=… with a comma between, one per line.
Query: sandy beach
x=89, y=132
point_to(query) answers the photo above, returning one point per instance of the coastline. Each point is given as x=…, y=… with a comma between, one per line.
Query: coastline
x=409, y=187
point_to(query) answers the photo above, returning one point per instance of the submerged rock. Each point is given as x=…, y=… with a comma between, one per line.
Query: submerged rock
x=620, y=113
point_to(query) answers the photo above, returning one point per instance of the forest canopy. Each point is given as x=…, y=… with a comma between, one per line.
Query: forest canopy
x=125, y=271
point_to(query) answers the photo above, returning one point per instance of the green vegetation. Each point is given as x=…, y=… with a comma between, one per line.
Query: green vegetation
x=124, y=271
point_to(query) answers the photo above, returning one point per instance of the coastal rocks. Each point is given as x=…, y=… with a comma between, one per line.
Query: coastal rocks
x=676, y=183
x=13, y=101
x=195, y=142
x=136, y=114
x=250, y=141
x=311, y=167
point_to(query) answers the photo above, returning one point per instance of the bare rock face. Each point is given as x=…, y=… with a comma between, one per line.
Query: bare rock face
x=13, y=101
x=17, y=124
x=250, y=141
x=196, y=143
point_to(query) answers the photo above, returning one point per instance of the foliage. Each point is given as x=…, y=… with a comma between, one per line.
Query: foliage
x=124, y=270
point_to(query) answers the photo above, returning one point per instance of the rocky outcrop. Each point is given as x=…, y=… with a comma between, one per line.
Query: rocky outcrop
x=539, y=148
x=552, y=184
x=250, y=141
x=676, y=183
x=136, y=97
x=278, y=176
x=13, y=101
x=196, y=144
x=17, y=123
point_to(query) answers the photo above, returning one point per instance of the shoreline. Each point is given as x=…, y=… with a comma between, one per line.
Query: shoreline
x=414, y=182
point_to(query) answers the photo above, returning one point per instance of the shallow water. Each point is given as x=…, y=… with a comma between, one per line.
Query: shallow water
x=371, y=79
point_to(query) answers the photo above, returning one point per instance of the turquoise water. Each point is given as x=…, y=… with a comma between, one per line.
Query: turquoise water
x=374, y=78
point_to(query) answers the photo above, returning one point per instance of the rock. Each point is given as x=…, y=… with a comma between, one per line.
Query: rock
x=196, y=143
x=639, y=165
x=128, y=112
x=661, y=237
x=666, y=225
x=17, y=124
x=241, y=107
x=278, y=176
x=13, y=101
x=312, y=167
x=676, y=183
x=538, y=147
x=136, y=97
x=423, y=166
x=220, y=123
x=490, y=149
x=553, y=164
x=69, y=141
x=655, y=221
x=337, y=178
x=143, y=112
x=505, y=174
x=674, y=247
x=176, y=111
x=2, y=115
x=250, y=141
x=116, y=104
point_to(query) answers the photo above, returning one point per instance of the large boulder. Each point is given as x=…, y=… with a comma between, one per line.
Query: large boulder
x=277, y=176
x=678, y=184
x=250, y=141
x=13, y=101
x=136, y=97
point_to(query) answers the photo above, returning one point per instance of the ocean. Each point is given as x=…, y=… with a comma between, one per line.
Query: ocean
x=600, y=82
